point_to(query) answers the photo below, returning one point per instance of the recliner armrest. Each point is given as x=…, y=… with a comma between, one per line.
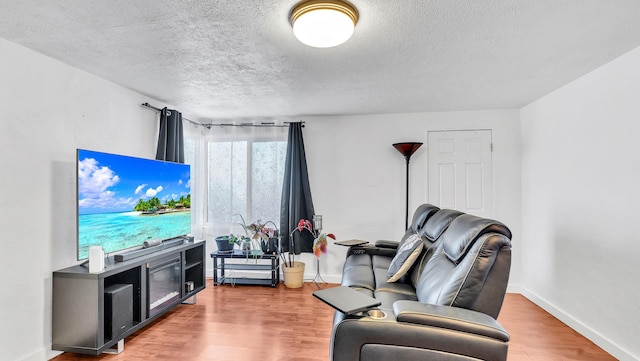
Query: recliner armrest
x=383, y=243
x=372, y=251
x=453, y=318
x=418, y=331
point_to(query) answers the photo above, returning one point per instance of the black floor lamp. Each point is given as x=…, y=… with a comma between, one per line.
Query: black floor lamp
x=407, y=149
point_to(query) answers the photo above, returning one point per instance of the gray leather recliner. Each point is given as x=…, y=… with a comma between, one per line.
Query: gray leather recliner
x=445, y=308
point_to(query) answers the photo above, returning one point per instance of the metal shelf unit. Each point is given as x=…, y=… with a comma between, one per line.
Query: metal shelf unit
x=224, y=271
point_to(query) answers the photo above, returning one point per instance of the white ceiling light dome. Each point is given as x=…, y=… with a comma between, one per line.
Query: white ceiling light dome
x=323, y=24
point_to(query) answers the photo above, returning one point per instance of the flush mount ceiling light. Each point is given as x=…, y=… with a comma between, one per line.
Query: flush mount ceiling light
x=323, y=24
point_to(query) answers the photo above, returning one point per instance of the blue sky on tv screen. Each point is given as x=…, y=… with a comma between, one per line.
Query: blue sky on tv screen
x=110, y=183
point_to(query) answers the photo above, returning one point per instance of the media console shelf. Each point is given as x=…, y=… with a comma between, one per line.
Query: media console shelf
x=94, y=312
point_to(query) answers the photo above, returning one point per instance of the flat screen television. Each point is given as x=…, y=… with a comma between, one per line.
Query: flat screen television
x=124, y=201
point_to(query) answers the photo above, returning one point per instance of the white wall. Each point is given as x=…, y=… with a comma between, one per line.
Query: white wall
x=49, y=110
x=358, y=179
x=580, y=196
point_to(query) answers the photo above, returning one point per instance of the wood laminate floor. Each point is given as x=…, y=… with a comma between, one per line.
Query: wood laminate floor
x=263, y=323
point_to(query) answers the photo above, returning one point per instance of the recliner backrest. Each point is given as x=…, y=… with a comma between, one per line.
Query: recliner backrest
x=430, y=233
x=438, y=223
x=422, y=214
x=420, y=218
x=469, y=266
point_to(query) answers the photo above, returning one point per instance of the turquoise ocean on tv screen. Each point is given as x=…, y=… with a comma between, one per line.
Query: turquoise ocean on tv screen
x=116, y=231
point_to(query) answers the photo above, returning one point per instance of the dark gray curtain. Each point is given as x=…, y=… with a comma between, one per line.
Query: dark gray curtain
x=170, y=138
x=296, y=194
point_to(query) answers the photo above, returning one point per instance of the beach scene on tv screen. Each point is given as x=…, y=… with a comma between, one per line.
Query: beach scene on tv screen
x=124, y=201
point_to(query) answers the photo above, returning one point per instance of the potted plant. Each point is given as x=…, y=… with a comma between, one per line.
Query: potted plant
x=225, y=243
x=292, y=270
x=258, y=237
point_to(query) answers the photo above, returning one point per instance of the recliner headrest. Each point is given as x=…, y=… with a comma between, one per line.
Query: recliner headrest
x=466, y=228
x=438, y=223
x=422, y=214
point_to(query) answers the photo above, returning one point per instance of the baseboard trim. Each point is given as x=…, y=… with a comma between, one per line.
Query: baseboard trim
x=595, y=337
x=514, y=289
x=325, y=278
x=38, y=355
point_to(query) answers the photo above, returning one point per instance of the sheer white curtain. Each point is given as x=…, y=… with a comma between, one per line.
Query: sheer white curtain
x=236, y=171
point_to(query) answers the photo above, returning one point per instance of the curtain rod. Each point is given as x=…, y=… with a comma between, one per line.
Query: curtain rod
x=147, y=105
x=210, y=125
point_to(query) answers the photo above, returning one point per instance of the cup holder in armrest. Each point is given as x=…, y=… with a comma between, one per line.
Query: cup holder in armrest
x=377, y=314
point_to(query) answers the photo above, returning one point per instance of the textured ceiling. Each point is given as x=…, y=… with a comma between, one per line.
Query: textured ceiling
x=238, y=59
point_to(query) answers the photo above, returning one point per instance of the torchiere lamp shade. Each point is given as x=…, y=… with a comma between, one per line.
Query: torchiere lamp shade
x=407, y=149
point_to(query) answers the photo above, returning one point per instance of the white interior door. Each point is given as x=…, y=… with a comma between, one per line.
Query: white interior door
x=460, y=170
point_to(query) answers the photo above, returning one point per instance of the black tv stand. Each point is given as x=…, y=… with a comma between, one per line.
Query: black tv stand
x=81, y=322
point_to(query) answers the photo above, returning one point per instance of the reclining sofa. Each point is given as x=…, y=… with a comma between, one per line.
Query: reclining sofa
x=441, y=288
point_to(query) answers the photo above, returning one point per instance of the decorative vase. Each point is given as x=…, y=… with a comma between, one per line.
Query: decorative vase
x=293, y=276
x=223, y=244
x=245, y=245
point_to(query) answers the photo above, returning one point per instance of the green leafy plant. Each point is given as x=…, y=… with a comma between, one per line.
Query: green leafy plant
x=235, y=240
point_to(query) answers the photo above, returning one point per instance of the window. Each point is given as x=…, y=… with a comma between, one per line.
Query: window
x=237, y=172
x=245, y=177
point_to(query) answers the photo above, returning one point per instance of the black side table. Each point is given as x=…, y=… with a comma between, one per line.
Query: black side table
x=271, y=271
